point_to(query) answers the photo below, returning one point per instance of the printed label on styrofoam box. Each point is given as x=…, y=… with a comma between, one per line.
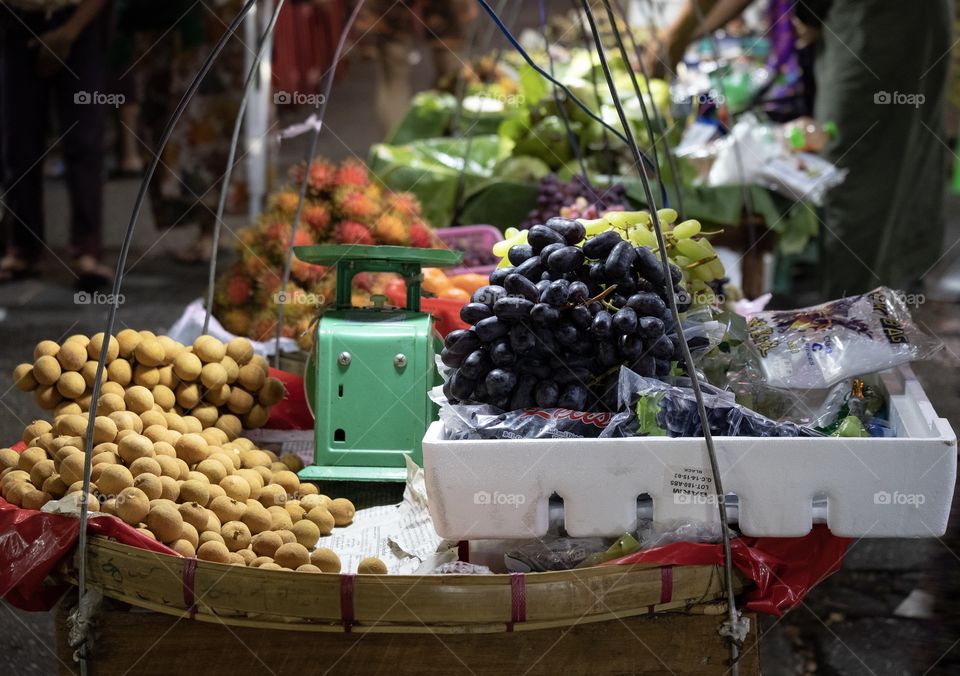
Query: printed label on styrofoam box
x=689, y=484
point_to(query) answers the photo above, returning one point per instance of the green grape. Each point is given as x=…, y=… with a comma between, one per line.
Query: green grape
x=694, y=249
x=667, y=216
x=687, y=229
x=501, y=248
x=640, y=236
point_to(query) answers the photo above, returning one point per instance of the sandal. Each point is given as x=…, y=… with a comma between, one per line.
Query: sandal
x=91, y=274
x=13, y=268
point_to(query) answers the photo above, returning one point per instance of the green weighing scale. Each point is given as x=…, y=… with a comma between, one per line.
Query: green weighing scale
x=371, y=368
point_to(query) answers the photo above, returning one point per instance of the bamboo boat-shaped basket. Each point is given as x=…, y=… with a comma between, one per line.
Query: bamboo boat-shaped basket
x=240, y=596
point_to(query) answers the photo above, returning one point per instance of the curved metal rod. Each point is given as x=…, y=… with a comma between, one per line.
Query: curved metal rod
x=118, y=281
x=308, y=157
x=694, y=380
x=231, y=156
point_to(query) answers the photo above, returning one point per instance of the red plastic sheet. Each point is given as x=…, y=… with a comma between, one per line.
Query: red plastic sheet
x=783, y=570
x=292, y=412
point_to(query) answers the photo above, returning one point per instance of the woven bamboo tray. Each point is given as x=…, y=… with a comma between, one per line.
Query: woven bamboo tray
x=396, y=603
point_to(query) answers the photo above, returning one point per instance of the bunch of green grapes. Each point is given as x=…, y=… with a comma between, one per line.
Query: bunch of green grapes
x=687, y=247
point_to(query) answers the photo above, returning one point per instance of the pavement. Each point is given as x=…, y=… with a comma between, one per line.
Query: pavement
x=891, y=610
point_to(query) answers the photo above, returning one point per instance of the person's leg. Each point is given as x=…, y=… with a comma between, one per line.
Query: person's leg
x=82, y=123
x=23, y=116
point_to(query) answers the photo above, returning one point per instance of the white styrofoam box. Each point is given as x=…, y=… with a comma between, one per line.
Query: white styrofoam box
x=860, y=487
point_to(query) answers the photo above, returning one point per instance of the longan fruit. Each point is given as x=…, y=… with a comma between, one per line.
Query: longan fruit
x=217, y=396
x=71, y=468
x=214, y=551
x=35, y=429
x=240, y=350
x=214, y=436
x=79, y=338
x=146, y=532
x=213, y=376
x=183, y=548
x=236, y=487
x=104, y=430
x=155, y=433
x=289, y=481
x=164, y=397
x=255, y=458
x=95, y=346
x=70, y=385
x=112, y=388
x=206, y=414
x=240, y=401
x=231, y=368
x=209, y=349
x=308, y=568
x=165, y=522
x=30, y=457
x=306, y=532
x=190, y=534
x=272, y=495
x=195, y=514
x=308, y=502
x=149, y=352
x=256, y=417
x=253, y=479
x=322, y=518
x=127, y=341
x=270, y=565
x=89, y=374
x=135, y=446
x=213, y=523
x=47, y=397
x=150, y=484
x=192, y=490
x=149, y=418
x=133, y=505
x=191, y=448
x=212, y=469
x=72, y=356
x=46, y=370
x=293, y=461
x=265, y=474
x=170, y=488
x=279, y=518
x=188, y=395
x=9, y=458
x=171, y=348
x=138, y=399
x=325, y=559
x=23, y=377
x=145, y=465
x=291, y=555
x=109, y=506
x=257, y=520
x=236, y=535
x=146, y=376
x=277, y=466
x=230, y=424
x=127, y=420
x=187, y=366
x=227, y=509
x=342, y=511
x=211, y=536
x=247, y=555
x=104, y=458
x=372, y=566
x=114, y=479
x=175, y=422
x=109, y=403
x=46, y=348
x=41, y=471
x=295, y=511
x=168, y=378
x=250, y=377
x=271, y=393
x=14, y=492
x=266, y=543
x=33, y=498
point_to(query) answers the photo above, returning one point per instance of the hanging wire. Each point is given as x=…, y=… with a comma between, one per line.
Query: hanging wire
x=561, y=110
x=308, y=157
x=657, y=116
x=462, y=175
x=115, y=294
x=733, y=617
x=231, y=156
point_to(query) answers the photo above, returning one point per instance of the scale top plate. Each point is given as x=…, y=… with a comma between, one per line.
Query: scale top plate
x=331, y=254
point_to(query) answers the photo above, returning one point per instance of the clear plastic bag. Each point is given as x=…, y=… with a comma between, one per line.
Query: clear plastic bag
x=817, y=347
x=482, y=421
x=654, y=408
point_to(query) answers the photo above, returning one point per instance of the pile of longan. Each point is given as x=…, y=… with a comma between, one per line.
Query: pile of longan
x=209, y=380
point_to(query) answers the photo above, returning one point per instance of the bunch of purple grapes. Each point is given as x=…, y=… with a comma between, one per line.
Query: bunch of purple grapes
x=554, y=329
x=555, y=194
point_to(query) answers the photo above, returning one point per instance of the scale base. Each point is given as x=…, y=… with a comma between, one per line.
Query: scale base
x=338, y=473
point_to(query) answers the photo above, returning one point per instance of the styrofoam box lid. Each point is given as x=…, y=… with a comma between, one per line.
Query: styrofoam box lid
x=860, y=487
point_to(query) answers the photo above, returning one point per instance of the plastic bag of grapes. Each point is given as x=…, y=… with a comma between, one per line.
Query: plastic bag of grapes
x=651, y=407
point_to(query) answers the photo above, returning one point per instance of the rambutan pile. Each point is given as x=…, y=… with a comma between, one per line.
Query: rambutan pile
x=343, y=205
